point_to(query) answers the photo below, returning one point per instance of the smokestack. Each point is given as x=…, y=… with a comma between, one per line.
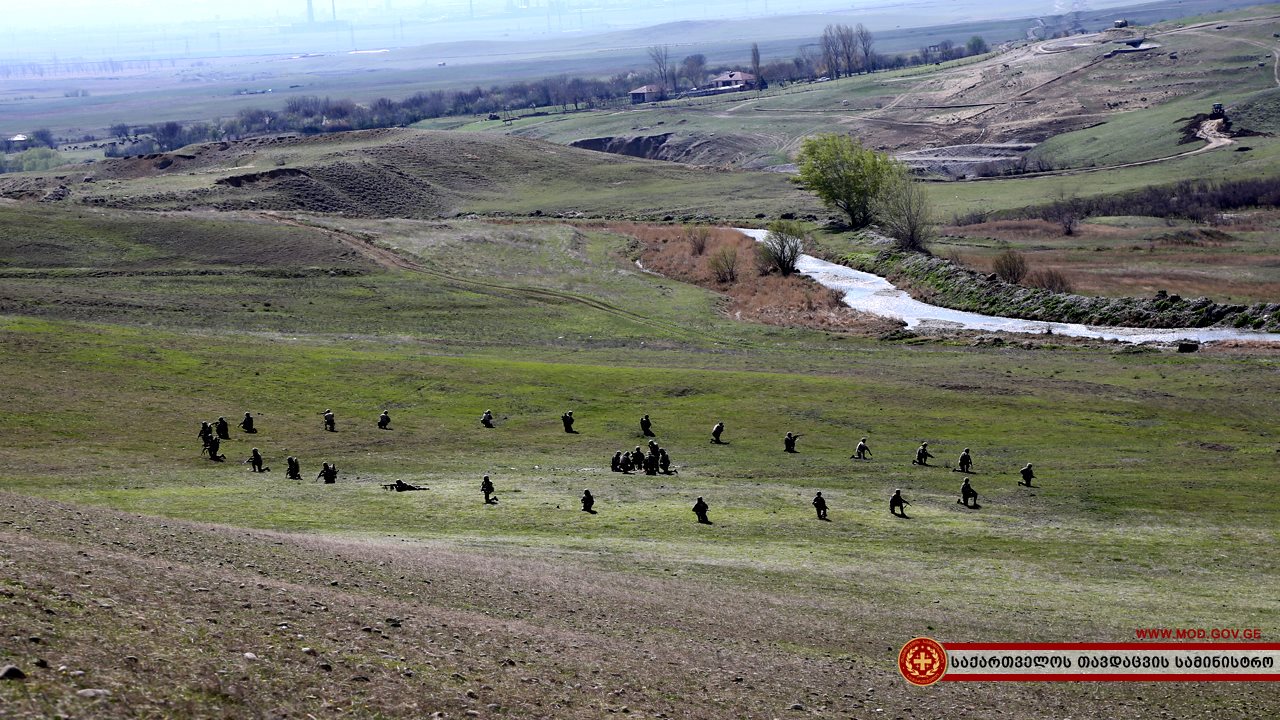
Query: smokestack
x=333, y=5
x=311, y=13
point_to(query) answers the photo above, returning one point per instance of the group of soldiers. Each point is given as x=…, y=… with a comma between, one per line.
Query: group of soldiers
x=655, y=461
x=212, y=434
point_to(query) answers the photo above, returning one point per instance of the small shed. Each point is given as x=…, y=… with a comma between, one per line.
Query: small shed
x=646, y=93
x=734, y=79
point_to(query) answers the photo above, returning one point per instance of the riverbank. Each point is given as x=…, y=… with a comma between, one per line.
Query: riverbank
x=939, y=282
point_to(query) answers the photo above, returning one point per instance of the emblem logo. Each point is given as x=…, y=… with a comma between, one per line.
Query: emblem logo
x=922, y=661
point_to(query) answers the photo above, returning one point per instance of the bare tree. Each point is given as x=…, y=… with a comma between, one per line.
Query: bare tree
x=806, y=61
x=830, y=45
x=905, y=213
x=866, y=43
x=848, y=48
x=661, y=58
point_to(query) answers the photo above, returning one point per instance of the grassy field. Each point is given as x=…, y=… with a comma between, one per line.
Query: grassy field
x=1152, y=509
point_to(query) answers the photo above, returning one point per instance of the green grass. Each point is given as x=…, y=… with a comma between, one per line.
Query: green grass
x=437, y=350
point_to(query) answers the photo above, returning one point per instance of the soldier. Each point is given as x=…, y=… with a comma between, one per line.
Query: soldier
x=862, y=452
x=646, y=427
x=922, y=455
x=402, y=486
x=615, y=463
x=384, y=421
x=965, y=463
x=328, y=473
x=896, y=504
x=223, y=428
x=567, y=419
x=637, y=458
x=205, y=435
x=966, y=492
x=293, y=469
x=487, y=419
x=486, y=487
x=664, y=462
x=330, y=423
x=255, y=461
x=651, y=464
x=588, y=502
x=700, y=509
x=627, y=465
x=789, y=443
x=820, y=504
x=247, y=424
x=1027, y=475
x=212, y=450
x=715, y=433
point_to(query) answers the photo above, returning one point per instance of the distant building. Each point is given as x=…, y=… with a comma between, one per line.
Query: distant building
x=646, y=93
x=1122, y=23
x=17, y=143
x=734, y=79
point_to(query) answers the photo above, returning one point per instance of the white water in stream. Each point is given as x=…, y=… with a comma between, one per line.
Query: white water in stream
x=873, y=294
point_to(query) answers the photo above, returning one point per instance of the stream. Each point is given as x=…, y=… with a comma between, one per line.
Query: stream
x=875, y=295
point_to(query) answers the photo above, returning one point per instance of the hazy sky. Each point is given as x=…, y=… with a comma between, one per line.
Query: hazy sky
x=35, y=14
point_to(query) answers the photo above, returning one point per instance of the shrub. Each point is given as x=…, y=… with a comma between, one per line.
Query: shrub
x=1051, y=280
x=697, y=236
x=723, y=264
x=1010, y=266
x=905, y=213
x=782, y=247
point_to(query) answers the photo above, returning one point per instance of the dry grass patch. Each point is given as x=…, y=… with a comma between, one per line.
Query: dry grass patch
x=699, y=257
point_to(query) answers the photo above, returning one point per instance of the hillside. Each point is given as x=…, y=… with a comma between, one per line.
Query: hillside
x=410, y=173
x=1088, y=102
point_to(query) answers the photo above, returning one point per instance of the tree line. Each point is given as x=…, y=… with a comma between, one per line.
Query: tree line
x=841, y=51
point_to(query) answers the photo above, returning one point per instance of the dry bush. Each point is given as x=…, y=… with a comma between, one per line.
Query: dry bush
x=782, y=247
x=1010, y=266
x=905, y=214
x=723, y=264
x=791, y=301
x=664, y=250
x=1050, y=279
x=697, y=236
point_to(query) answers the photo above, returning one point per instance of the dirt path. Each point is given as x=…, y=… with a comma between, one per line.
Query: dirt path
x=1210, y=131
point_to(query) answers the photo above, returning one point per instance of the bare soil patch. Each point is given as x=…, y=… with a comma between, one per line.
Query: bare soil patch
x=792, y=301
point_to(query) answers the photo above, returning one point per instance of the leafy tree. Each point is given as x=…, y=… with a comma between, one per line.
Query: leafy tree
x=44, y=136
x=845, y=175
x=755, y=67
x=33, y=160
x=977, y=45
x=694, y=69
x=782, y=247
